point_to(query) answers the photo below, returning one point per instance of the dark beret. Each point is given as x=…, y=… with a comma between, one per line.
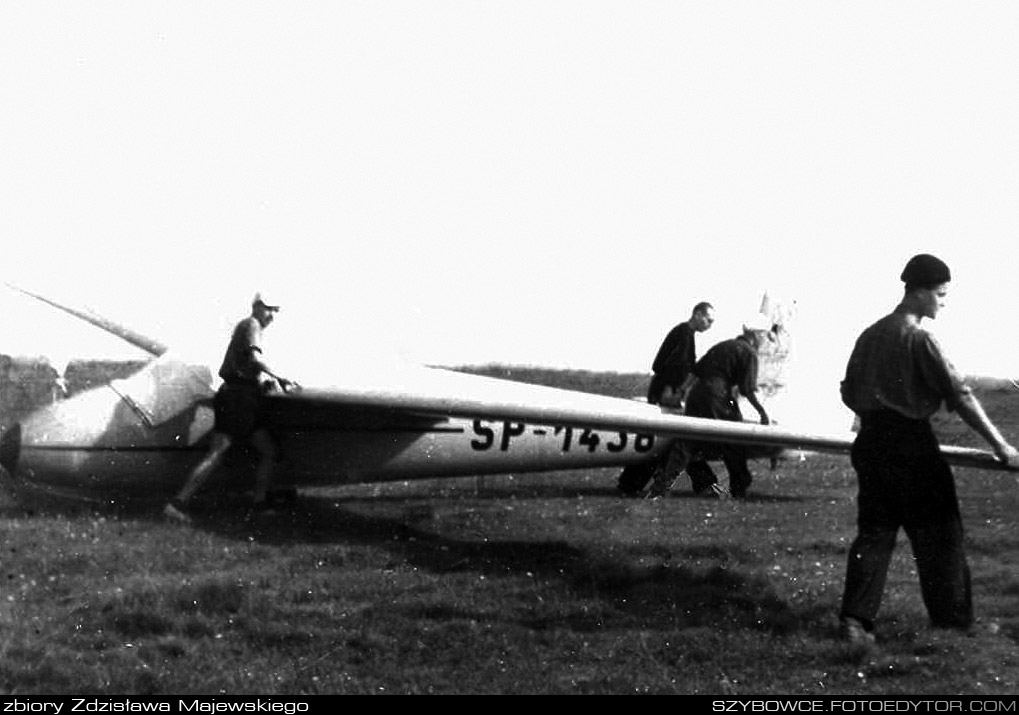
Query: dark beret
x=926, y=271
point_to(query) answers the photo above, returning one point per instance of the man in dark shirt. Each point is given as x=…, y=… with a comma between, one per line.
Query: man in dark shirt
x=237, y=407
x=727, y=370
x=677, y=355
x=674, y=361
x=896, y=379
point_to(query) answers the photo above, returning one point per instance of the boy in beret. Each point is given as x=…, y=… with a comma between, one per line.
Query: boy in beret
x=896, y=379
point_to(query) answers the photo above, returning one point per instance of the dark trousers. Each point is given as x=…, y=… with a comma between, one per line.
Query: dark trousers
x=635, y=477
x=713, y=399
x=905, y=482
x=734, y=457
x=692, y=457
x=237, y=409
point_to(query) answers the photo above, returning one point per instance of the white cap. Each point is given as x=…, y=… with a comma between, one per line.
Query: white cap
x=263, y=298
x=757, y=322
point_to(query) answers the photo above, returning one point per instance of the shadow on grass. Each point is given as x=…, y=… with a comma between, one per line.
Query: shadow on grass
x=636, y=586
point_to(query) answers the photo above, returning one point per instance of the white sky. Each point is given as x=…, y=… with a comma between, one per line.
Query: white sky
x=550, y=183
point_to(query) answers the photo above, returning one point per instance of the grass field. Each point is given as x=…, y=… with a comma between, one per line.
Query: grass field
x=543, y=583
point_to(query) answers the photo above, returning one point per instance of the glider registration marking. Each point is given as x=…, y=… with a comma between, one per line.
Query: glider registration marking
x=586, y=439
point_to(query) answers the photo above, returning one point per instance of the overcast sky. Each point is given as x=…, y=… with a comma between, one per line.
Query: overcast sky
x=549, y=183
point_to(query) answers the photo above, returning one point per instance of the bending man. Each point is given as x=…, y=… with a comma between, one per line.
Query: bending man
x=727, y=370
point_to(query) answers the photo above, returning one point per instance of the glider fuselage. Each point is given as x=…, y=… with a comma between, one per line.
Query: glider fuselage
x=143, y=434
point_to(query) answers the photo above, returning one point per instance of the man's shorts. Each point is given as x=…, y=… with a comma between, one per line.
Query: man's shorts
x=237, y=410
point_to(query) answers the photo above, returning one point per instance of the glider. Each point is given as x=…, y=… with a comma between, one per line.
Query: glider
x=142, y=434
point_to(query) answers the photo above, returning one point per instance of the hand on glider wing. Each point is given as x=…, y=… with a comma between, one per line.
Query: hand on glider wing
x=277, y=384
x=288, y=385
x=1008, y=455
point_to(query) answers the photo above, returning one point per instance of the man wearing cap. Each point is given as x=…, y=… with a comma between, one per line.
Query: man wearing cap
x=896, y=379
x=672, y=364
x=727, y=370
x=237, y=408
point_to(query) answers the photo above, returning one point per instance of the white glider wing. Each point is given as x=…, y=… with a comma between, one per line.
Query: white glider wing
x=443, y=394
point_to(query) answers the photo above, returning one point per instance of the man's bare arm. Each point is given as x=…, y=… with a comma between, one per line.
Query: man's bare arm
x=752, y=399
x=972, y=413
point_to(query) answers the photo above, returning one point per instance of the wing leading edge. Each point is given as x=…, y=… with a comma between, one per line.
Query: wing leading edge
x=443, y=394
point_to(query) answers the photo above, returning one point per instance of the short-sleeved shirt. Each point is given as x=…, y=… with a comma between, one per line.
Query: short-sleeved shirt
x=238, y=363
x=897, y=365
x=730, y=363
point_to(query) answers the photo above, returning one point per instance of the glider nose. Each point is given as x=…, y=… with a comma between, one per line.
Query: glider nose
x=10, y=448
